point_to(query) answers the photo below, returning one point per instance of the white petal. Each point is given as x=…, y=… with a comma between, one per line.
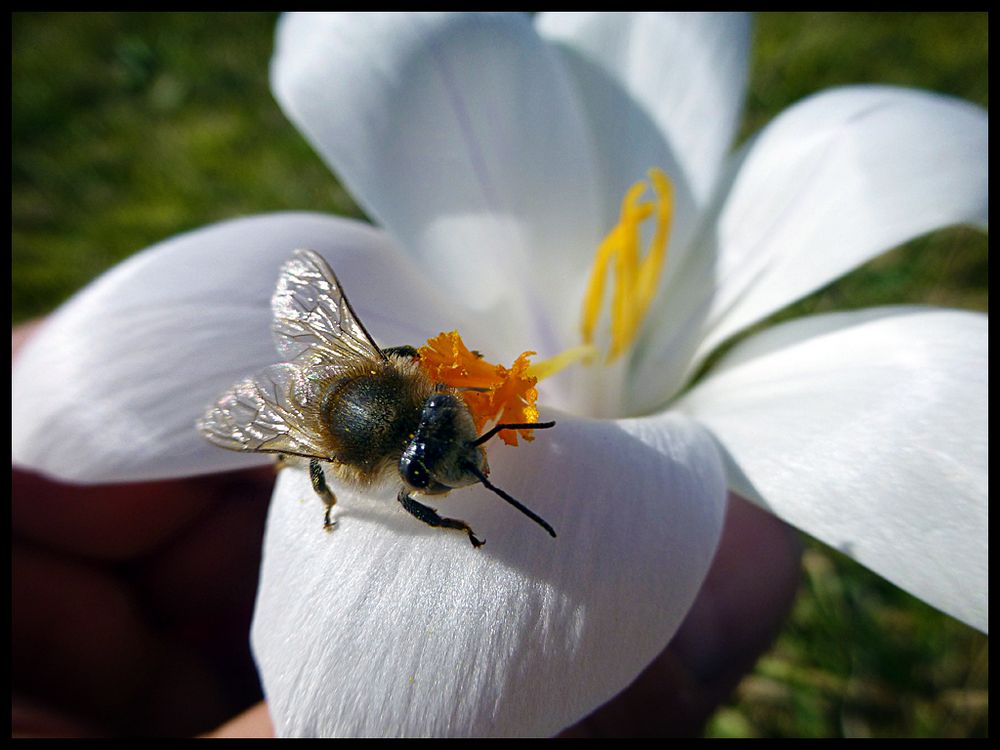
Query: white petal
x=837, y=180
x=459, y=134
x=388, y=627
x=661, y=89
x=869, y=431
x=110, y=388
x=831, y=183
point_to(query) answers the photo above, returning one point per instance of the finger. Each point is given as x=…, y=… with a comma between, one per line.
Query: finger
x=201, y=586
x=103, y=522
x=254, y=722
x=19, y=336
x=84, y=648
x=30, y=718
x=80, y=642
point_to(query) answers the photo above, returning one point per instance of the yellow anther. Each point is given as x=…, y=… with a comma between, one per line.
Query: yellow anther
x=635, y=280
x=652, y=266
x=493, y=393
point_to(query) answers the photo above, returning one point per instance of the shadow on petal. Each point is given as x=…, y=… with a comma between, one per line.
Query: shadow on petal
x=385, y=627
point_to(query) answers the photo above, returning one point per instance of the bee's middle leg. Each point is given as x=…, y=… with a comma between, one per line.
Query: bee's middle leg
x=431, y=518
x=321, y=488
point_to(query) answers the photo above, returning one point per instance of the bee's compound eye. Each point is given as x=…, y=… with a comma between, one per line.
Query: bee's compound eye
x=413, y=472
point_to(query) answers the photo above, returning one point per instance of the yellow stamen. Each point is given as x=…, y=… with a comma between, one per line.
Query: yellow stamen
x=549, y=367
x=635, y=280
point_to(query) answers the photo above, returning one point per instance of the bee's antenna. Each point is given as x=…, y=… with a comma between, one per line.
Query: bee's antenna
x=532, y=426
x=493, y=488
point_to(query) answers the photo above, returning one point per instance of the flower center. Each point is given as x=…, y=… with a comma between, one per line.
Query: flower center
x=496, y=394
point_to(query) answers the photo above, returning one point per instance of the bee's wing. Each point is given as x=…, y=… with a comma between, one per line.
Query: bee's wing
x=274, y=411
x=313, y=321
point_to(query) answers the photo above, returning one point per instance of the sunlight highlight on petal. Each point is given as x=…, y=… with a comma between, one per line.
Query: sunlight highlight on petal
x=868, y=430
x=119, y=375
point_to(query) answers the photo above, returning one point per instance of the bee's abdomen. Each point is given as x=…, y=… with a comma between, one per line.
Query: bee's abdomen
x=371, y=418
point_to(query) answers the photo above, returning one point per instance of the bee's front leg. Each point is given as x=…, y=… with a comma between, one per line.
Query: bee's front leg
x=318, y=479
x=431, y=518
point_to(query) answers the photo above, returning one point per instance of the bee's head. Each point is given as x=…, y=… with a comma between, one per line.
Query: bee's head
x=446, y=453
x=443, y=448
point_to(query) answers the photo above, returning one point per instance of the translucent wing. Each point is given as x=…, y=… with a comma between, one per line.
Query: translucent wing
x=274, y=411
x=313, y=321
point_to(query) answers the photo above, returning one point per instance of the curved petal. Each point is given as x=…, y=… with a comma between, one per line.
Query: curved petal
x=833, y=182
x=389, y=627
x=685, y=74
x=837, y=180
x=869, y=431
x=460, y=134
x=110, y=388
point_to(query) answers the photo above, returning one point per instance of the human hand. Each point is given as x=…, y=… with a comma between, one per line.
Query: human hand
x=132, y=606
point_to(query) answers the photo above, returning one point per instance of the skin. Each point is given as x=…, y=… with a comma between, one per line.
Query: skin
x=131, y=609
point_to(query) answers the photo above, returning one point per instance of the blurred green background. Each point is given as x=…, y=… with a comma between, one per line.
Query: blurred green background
x=129, y=128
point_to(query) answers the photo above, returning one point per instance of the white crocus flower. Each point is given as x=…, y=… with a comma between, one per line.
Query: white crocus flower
x=493, y=152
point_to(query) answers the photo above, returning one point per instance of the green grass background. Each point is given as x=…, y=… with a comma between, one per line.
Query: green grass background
x=130, y=128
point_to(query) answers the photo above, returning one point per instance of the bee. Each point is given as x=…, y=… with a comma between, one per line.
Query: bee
x=372, y=415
